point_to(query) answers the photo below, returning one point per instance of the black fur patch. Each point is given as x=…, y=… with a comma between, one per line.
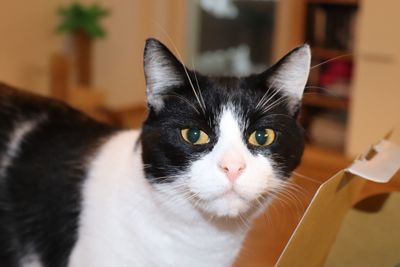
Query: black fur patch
x=165, y=154
x=40, y=195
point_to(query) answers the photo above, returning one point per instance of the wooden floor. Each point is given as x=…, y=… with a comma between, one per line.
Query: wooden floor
x=272, y=230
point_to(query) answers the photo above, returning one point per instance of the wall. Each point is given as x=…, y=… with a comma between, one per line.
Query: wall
x=119, y=58
x=376, y=92
x=28, y=40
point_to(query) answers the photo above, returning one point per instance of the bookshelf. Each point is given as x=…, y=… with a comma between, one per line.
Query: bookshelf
x=334, y=2
x=327, y=54
x=326, y=102
x=329, y=28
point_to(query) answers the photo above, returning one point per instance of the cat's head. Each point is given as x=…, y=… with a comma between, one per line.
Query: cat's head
x=224, y=143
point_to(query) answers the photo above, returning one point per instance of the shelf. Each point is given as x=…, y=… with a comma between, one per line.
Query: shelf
x=323, y=101
x=324, y=116
x=324, y=53
x=334, y=2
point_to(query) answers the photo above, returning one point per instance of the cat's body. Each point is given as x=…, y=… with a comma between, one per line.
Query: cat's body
x=102, y=189
x=144, y=229
x=43, y=165
x=179, y=192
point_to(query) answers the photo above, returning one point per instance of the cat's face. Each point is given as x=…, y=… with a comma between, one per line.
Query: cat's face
x=222, y=143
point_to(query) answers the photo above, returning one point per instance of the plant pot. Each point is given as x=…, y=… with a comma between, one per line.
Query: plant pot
x=83, y=57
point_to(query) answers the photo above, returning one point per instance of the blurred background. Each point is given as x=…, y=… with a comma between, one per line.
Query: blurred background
x=351, y=95
x=89, y=54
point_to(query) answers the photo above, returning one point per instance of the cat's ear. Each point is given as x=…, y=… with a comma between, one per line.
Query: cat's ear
x=290, y=75
x=163, y=71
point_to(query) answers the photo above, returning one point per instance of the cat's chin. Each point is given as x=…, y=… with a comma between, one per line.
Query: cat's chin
x=230, y=204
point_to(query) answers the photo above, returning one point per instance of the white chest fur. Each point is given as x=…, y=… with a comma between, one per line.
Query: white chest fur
x=125, y=222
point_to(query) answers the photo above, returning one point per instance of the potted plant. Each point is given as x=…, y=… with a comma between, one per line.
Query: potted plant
x=83, y=23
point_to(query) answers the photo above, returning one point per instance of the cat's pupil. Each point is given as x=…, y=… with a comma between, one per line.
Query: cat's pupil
x=261, y=136
x=193, y=135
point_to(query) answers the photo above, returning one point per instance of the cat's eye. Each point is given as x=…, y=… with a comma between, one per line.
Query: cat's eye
x=262, y=137
x=195, y=136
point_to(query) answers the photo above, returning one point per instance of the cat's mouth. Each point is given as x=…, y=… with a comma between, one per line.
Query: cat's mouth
x=232, y=193
x=230, y=203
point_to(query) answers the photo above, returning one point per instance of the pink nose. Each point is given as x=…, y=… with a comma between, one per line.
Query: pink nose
x=232, y=169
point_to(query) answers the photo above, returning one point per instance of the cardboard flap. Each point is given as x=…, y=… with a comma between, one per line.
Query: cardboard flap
x=382, y=166
x=311, y=241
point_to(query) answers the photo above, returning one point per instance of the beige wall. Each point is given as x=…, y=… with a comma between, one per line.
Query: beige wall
x=376, y=91
x=119, y=58
x=28, y=40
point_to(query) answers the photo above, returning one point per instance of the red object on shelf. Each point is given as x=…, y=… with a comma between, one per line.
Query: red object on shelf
x=336, y=71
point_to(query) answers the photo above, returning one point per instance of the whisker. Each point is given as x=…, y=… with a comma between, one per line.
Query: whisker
x=306, y=177
x=198, y=86
x=273, y=209
x=294, y=196
x=296, y=188
x=291, y=201
x=265, y=95
x=271, y=97
x=279, y=101
x=183, y=65
x=184, y=99
x=329, y=60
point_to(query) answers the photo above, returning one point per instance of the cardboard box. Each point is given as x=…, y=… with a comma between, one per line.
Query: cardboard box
x=322, y=236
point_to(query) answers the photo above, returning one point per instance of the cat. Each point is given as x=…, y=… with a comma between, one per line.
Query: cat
x=211, y=153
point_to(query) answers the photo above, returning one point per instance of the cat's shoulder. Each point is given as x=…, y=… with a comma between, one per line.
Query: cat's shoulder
x=18, y=99
x=53, y=117
x=20, y=104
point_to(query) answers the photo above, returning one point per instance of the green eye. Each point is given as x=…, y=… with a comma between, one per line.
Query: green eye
x=262, y=137
x=195, y=136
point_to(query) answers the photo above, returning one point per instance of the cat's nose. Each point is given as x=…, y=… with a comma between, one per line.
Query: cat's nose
x=232, y=169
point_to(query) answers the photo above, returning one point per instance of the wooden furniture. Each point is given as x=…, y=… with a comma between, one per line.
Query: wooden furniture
x=59, y=76
x=131, y=117
x=329, y=28
x=85, y=98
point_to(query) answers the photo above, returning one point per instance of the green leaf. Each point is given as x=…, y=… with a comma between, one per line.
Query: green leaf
x=77, y=16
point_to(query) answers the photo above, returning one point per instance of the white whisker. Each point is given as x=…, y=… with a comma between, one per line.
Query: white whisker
x=329, y=60
x=279, y=101
x=183, y=65
x=271, y=97
x=265, y=95
x=306, y=177
x=184, y=99
x=198, y=86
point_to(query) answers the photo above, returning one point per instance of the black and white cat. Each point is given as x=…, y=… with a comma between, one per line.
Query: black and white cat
x=75, y=192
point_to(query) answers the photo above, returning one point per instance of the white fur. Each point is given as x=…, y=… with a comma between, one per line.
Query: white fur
x=193, y=221
x=31, y=260
x=126, y=222
x=160, y=75
x=292, y=76
x=217, y=194
x=16, y=138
